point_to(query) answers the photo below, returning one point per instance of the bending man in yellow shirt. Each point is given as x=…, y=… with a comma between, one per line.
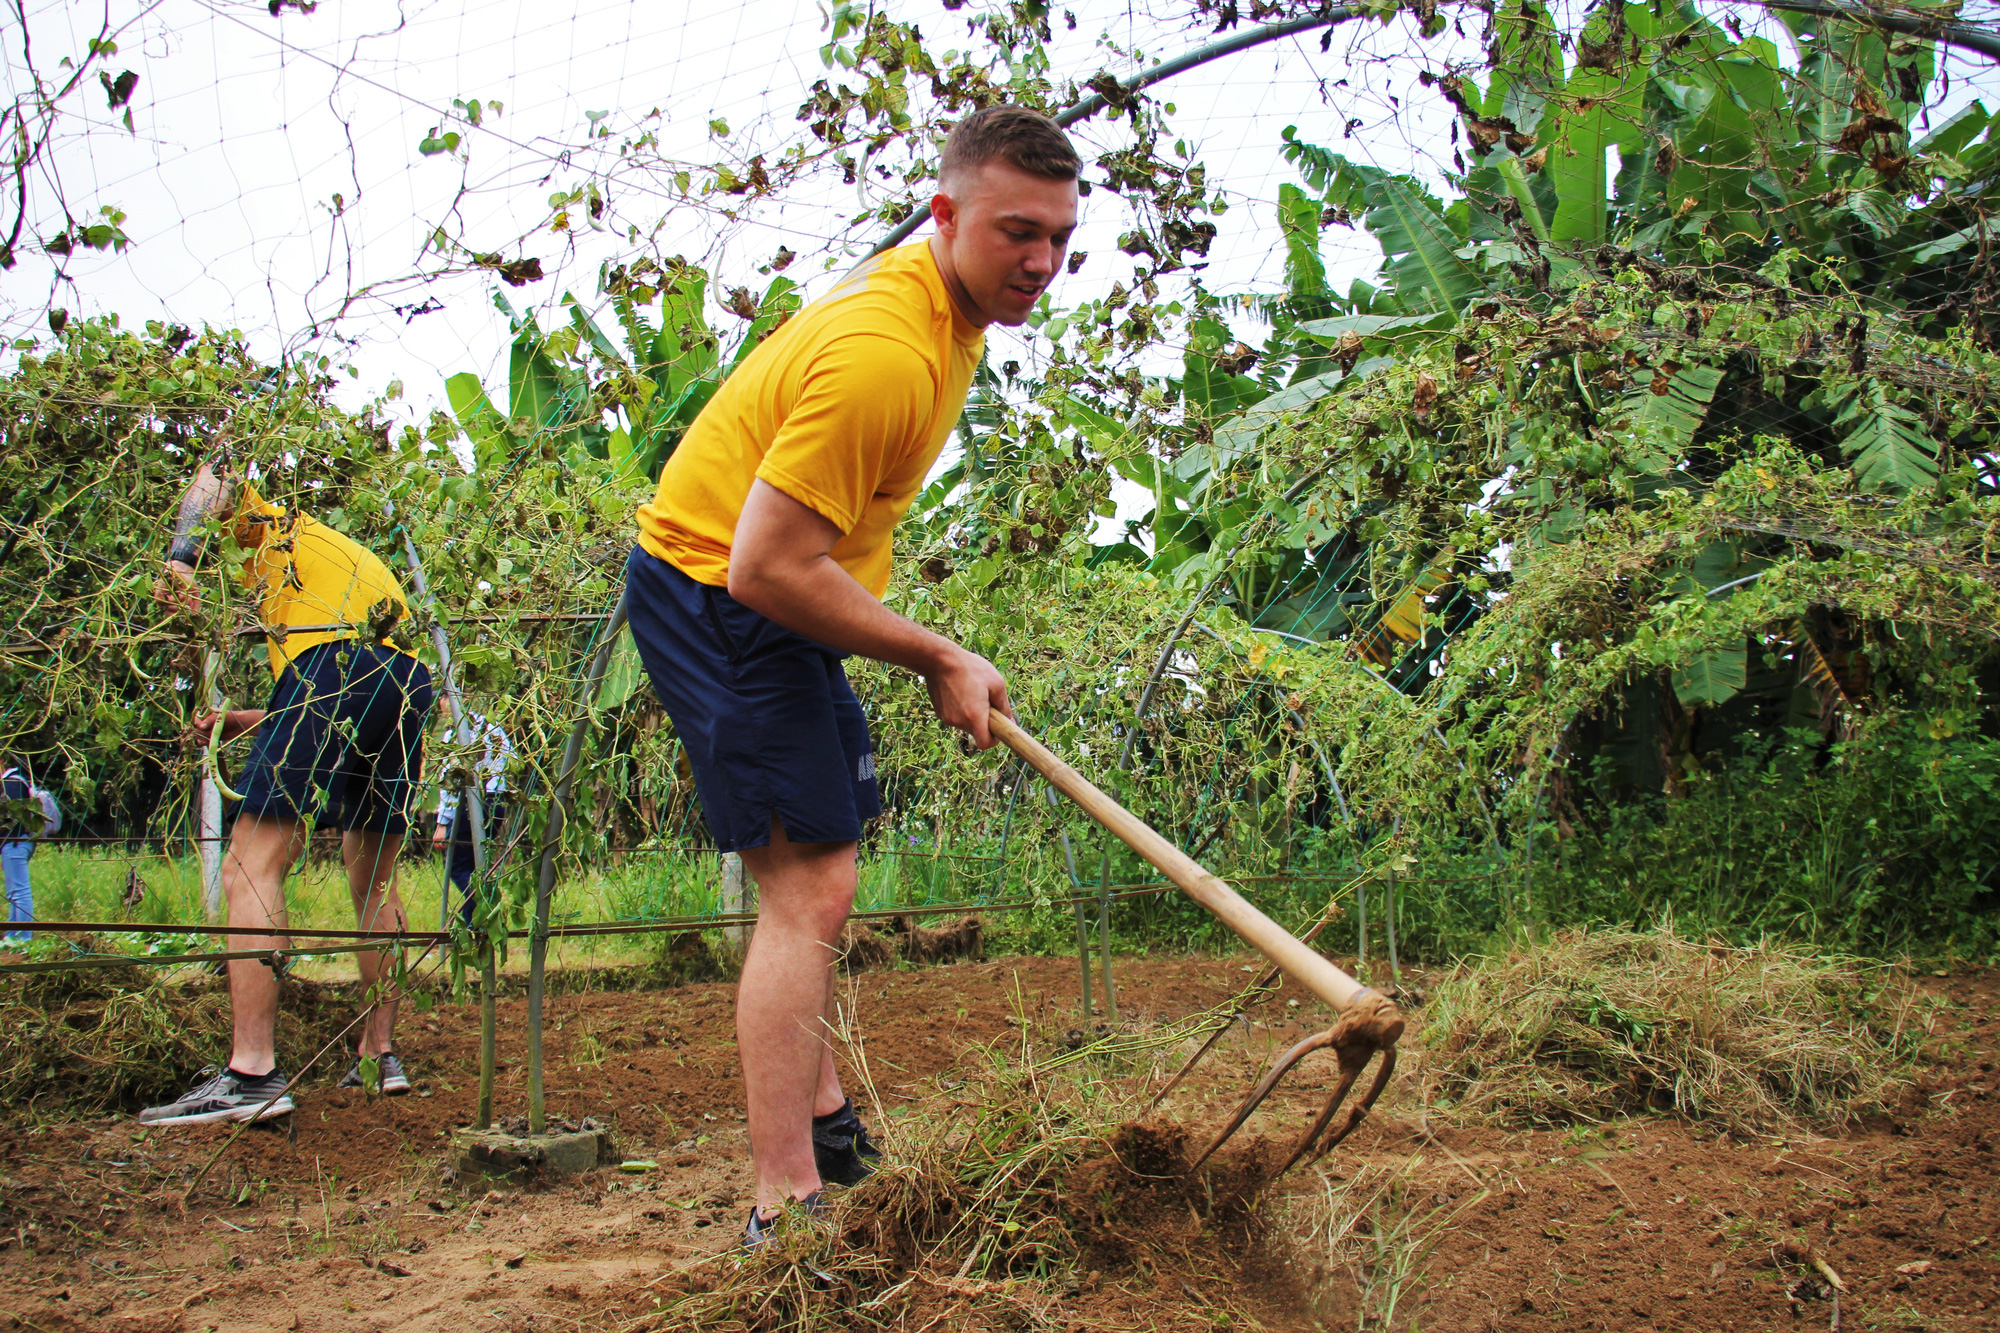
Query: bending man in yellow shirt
x=761, y=563
x=342, y=740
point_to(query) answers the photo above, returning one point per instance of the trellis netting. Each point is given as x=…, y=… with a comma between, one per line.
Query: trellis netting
x=1438, y=398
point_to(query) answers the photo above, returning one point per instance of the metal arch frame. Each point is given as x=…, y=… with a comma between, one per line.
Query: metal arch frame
x=1951, y=34
x=1166, y=69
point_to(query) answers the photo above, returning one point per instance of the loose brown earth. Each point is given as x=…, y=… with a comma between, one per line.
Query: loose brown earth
x=347, y=1218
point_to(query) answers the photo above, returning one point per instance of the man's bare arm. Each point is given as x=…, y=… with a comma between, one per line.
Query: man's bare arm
x=207, y=497
x=781, y=566
x=236, y=722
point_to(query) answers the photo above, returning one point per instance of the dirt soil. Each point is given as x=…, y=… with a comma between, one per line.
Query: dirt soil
x=349, y=1217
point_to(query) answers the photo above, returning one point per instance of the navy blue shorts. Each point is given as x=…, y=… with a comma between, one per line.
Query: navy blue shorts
x=770, y=725
x=342, y=742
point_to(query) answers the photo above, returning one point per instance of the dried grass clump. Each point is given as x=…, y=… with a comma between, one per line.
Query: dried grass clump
x=685, y=958
x=963, y=938
x=1021, y=1207
x=880, y=943
x=1593, y=1024
x=116, y=1038
x=862, y=947
x=1362, y=1235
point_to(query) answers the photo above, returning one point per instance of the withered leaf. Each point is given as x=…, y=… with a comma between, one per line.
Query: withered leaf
x=1425, y=396
x=1347, y=351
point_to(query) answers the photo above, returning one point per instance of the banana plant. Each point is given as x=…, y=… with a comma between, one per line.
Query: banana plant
x=563, y=384
x=609, y=411
x=1655, y=132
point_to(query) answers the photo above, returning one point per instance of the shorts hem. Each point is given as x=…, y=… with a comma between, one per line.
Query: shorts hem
x=752, y=842
x=261, y=805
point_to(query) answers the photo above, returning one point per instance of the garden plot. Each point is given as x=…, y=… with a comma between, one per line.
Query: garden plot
x=1018, y=1193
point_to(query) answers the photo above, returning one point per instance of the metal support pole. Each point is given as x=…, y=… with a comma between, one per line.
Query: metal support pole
x=444, y=888
x=1082, y=931
x=552, y=831
x=735, y=899
x=209, y=829
x=1389, y=925
x=208, y=801
x=470, y=808
x=1104, y=939
x=1361, y=929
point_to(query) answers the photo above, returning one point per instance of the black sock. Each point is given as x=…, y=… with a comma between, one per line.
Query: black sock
x=251, y=1078
x=831, y=1116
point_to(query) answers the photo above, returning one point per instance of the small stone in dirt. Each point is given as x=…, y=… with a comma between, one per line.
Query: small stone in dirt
x=1916, y=1268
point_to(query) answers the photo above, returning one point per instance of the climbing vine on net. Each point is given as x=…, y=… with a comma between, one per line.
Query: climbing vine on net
x=1413, y=562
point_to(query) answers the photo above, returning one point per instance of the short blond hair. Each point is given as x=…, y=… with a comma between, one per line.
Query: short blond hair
x=1026, y=140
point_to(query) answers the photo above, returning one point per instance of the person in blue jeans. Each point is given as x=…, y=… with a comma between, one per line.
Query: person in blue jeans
x=17, y=844
x=453, y=830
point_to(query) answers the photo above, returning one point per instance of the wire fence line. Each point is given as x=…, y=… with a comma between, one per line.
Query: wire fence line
x=401, y=938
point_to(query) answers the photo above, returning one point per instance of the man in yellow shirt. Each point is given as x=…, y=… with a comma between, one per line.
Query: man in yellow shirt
x=761, y=563
x=342, y=740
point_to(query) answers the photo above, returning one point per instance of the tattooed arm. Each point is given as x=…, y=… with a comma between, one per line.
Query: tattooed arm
x=207, y=497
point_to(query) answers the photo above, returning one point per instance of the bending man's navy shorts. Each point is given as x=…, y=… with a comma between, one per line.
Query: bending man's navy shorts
x=342, y=742
x=770, y=725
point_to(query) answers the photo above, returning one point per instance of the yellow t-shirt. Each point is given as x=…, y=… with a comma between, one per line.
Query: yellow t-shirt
x=845, y=408
x=304, y=573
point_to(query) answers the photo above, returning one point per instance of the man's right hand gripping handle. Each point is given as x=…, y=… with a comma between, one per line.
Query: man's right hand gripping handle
x=963, y=687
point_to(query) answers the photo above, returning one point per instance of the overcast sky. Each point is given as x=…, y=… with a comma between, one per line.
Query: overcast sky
x=247, y=127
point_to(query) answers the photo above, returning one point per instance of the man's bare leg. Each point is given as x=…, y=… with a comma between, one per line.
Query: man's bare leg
x=370, y=858
x=828, y=1096
x=261, y=851
x=804, y=893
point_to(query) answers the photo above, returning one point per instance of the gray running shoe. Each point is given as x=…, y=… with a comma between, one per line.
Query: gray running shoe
x=224, y=1095
x=388, y=1068
x=760, y=1229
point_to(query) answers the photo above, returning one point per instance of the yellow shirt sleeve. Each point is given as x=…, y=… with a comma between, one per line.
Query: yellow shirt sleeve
x=860, y=405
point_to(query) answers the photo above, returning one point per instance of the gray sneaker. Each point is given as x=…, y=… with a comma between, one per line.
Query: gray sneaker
x=224, y=1095
x=394, y=1082
x=760, y=1229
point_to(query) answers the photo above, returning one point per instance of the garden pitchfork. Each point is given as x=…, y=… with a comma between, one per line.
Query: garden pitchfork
x=1368, y=1021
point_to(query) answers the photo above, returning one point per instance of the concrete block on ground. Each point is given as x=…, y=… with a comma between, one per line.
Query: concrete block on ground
x=525, y=1158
